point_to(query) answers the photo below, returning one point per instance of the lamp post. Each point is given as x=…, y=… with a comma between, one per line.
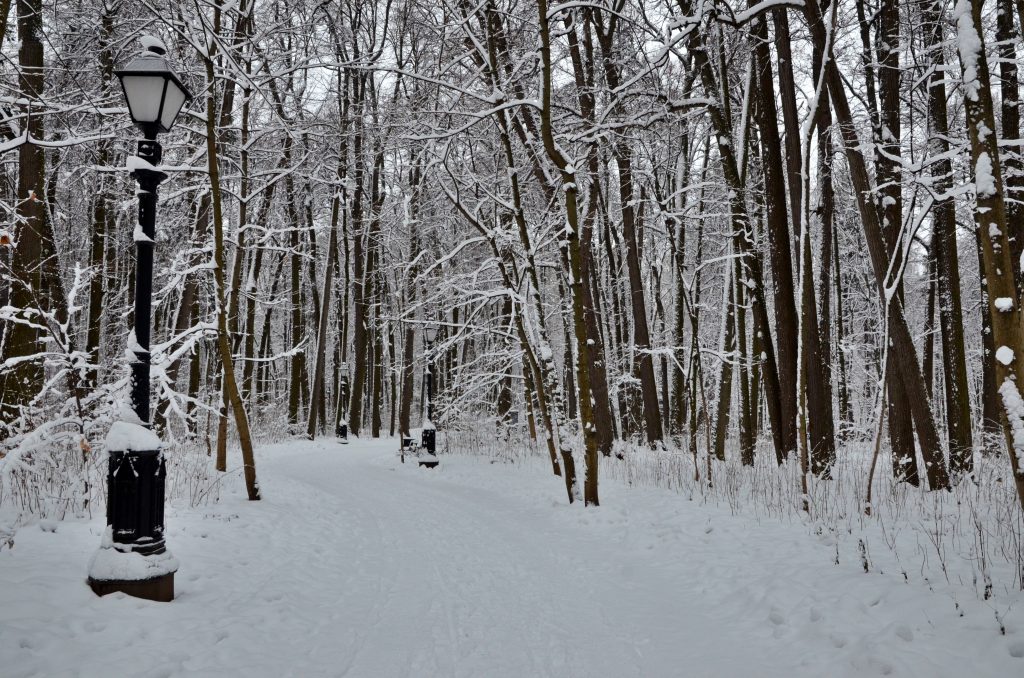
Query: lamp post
x=341, y=428
x=429, y=434
x=132, y=557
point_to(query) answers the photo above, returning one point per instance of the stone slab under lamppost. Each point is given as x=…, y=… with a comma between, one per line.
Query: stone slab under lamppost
x=133, y=557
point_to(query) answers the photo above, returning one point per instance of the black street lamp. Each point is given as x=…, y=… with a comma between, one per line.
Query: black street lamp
x=133, y=557
x=341, y=428
x=428, y=438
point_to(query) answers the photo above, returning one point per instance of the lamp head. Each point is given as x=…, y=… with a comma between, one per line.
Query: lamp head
x=154, y=92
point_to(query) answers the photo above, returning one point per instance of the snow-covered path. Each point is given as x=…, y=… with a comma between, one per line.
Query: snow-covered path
x=357, y=565
x=447, y=579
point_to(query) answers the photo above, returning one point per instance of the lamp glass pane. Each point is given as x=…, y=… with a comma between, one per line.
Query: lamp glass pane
x=431, y=333
x=173, y=102
x=143, y=93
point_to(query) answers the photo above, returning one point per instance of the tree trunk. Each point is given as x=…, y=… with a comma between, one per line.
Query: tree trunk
x=1013, y=169
x=572, y=238
x=819, y=421
x=990, y=219
x=297, y=322
x=585, y=76
x=230, y=387
x=35, y=282
x=320, y=368
x=728, y=357
x=845, y=405
x=889, y=178
x=777, y=222
x=361, y=315
x=409, y=342
x=101, y=217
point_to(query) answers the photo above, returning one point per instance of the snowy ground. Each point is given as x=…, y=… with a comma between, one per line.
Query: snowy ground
x=357, y=565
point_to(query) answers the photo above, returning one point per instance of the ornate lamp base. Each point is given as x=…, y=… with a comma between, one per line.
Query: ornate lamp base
x=428, y=441
x=118, y=567
x=132, y=557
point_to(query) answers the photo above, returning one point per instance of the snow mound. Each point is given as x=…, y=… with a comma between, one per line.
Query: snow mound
x=128, y=437
x=110, y=563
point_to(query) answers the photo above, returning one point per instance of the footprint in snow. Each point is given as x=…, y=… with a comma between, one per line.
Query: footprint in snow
x=93, y=626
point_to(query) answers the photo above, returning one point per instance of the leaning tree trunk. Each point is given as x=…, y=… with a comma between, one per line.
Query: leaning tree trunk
x=229, y=385
x=901, y=434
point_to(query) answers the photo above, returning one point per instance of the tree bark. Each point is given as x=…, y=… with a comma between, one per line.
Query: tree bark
x=777, y=222
x=990, y=218
x=229, y=385
x=725, y=376
x=1013, y=168
x=947, y=259
x=101, y=217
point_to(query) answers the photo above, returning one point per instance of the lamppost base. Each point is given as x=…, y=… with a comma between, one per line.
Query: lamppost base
x=127, y=570
x=159, y=589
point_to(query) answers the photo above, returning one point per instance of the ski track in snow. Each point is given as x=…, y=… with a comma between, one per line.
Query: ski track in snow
x=357, y=565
